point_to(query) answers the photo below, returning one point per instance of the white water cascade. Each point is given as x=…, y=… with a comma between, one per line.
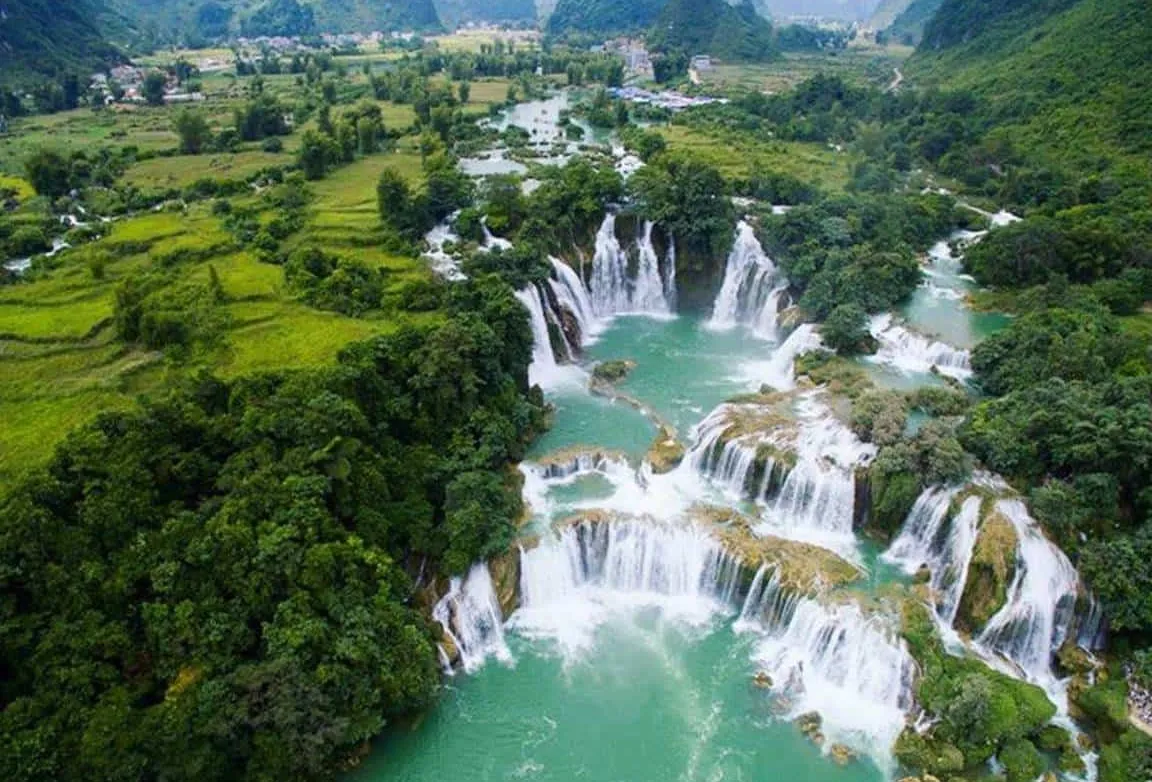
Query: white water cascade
x=931, y=538
x=614, y=291
x=470, y=615
x=752, y=289
x=442, y=262
x=1041, y=605
x=780, y=370
x=576, y=580
x=817, y=500
x=544, y=370
x=910, y=352
x=573, y=296
x=726, y=462
x=836, y=659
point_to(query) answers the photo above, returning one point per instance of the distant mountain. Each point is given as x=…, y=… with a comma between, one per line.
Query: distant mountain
x=197, y=20
x=885, y=13
x=47, y=38
x=603, y=16
x=456, y=12
x=727, y=32
x=846, y=10
x=1074, y=76
x=908, y=26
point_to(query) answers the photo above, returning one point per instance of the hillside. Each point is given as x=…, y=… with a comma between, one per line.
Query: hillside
x=602, y=16
x=455, y=12
x=732, y=33
x=1075, y=76
x=885, y=13
x=45, y=38
x=180, y=20
x=908, y=26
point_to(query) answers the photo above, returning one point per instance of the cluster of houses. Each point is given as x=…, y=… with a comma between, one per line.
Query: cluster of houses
x=130, y=80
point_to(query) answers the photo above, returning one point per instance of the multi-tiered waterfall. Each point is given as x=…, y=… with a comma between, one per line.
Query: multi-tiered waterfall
x=752, y=291
x=621, y=286
x=1040, y=609
x=627, y=572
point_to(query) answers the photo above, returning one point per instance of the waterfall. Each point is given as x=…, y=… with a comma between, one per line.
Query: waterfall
x=727, y=463
x=929, y=538
x=573, y=296
x=613, y=291
x=751, y=291
x=470, y=615
x=493, y=242
x=817, y=500
x=780, y=370
x=1040, y=609
x=648, y=288
x=571, y=583
x=914, y=353
x=839, y=660
x=543, y=370
x=443, y=263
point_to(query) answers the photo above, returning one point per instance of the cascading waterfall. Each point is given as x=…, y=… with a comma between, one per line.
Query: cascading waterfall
x=543, y=368
x=751, y=291
x=470, y=615
x=930, y=538
x=836, y=659
x=1041, y=604
x=817, y=500
x=573, y=582
x=911, y=352
x=726, y=463
x=780, y=370
x=573, y=296
x=613, y=291
x=442, y=262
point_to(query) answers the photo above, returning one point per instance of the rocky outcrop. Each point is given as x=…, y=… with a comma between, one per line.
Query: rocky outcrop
x=613, y=371
x=990, y=573
x=800, y=567
x=666, y=452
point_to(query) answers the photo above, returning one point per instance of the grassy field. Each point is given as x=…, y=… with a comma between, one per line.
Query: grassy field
x=862, y=65
x=60, y=364
x=472, y=40
x=738, y=155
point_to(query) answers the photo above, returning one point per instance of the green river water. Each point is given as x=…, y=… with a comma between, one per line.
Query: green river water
x=654, y=699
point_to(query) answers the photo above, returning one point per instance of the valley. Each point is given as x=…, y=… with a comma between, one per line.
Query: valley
x=387, y=401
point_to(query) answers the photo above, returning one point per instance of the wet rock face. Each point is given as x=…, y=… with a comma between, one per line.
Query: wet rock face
x=570, y=325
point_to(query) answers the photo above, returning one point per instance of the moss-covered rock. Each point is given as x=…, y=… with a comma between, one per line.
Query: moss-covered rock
x=1103, y=706
x=1073, y=660
x=800, y=567
x=926, y=754
x=613, y=371
x=1021, y=760
x=505, y=571
x=990, y=573
x=978, y=710
x=666, y=452
x=841, y=376
x=891, y=497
